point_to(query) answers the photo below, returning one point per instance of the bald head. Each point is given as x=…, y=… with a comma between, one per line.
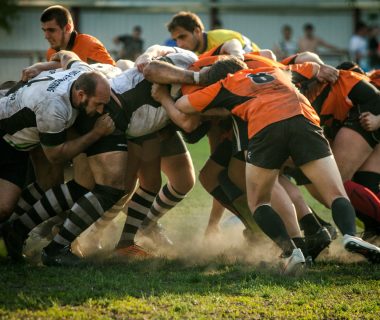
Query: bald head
x=89, y=81
x=93, y=91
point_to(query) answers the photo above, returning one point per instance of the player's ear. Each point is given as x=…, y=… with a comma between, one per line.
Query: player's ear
x=69, y=27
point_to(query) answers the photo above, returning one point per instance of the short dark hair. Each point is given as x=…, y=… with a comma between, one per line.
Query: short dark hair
x=137, y=28
x=308, y=26
x=88, y=82
x=187, y=20
x=351, y=66
x=57, y=13
x=224, y=66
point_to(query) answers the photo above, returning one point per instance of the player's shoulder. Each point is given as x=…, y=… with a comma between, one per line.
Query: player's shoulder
x=83, y=37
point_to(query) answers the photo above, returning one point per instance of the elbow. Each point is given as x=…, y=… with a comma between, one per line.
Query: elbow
x=190, y=126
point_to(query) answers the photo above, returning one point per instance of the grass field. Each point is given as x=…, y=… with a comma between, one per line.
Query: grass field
x=199, y=279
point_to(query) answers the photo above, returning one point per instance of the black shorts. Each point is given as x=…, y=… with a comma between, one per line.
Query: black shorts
x=222, y=153
x=172, y=144
x=240, y=129
x=140, y=140
x=352, y=122
x=116, y=141
x=110, y=143
x=13, y=164
x=296, y=137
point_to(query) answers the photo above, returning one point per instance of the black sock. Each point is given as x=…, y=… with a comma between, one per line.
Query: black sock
x=272, y=225
x=344, y=216
x=309, y=224
x=322, y=222
x=138, y=208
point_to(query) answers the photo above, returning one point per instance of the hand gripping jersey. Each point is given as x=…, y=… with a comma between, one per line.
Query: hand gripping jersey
x=260, y=96
x=88, y=48
x=333, y=102
x=41, y=110
x=142, y=114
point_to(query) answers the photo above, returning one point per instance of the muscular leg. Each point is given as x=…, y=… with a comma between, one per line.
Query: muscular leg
x=330, y=186
x=349, y=162
x=9, y=195
x=144, y=161
x=109, y=170
x=260, y=183
x=177, y=165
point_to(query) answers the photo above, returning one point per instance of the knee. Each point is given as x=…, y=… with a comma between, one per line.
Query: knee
x=208, y=182
x=6, y=210
x=185, y=183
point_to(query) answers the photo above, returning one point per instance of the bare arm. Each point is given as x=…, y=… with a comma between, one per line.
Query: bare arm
x=152, y=52
x=58, y=60
x=71, y=148
x=233, y=47
x=187, y=122
x=165, y=73
x=183, y=104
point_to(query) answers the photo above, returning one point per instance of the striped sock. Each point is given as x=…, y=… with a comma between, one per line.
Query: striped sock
x=85, y=212
x=53, y=202
x=29, y=196
x=166, y=199
x=137, y=211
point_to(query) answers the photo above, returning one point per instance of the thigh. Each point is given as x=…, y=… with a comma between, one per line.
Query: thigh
x=372, y=164
x=47, y=174
x=350, y=150
x=9, y=196
x=82, y=171
x=325, y=176
x=109, y=168
x=259, y=182
x=148, y=161
x=236, y=172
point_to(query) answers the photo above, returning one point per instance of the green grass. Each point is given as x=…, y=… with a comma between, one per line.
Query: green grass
x=200, y=282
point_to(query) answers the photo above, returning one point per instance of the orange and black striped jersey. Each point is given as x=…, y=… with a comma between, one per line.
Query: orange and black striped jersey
x=334, y=101
x=260, y=96
x=88, y=48
x=252, y=60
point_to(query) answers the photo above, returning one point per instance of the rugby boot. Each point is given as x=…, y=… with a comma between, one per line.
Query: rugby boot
x=357, y=245
x=63, y=257
x=156, y=233
x=132, y=251
x=318, y=241
x=294, y=264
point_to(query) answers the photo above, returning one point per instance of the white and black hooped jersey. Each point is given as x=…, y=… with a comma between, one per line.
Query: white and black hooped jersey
x=40, y=111
x=144, y=115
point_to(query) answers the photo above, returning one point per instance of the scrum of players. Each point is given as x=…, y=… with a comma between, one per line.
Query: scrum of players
x=269, y=123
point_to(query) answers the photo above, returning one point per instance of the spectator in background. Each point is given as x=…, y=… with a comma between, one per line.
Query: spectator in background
x=374, y=48
x=358, y=46
x=132, y=44
x=286, y=46
x=310, y=42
